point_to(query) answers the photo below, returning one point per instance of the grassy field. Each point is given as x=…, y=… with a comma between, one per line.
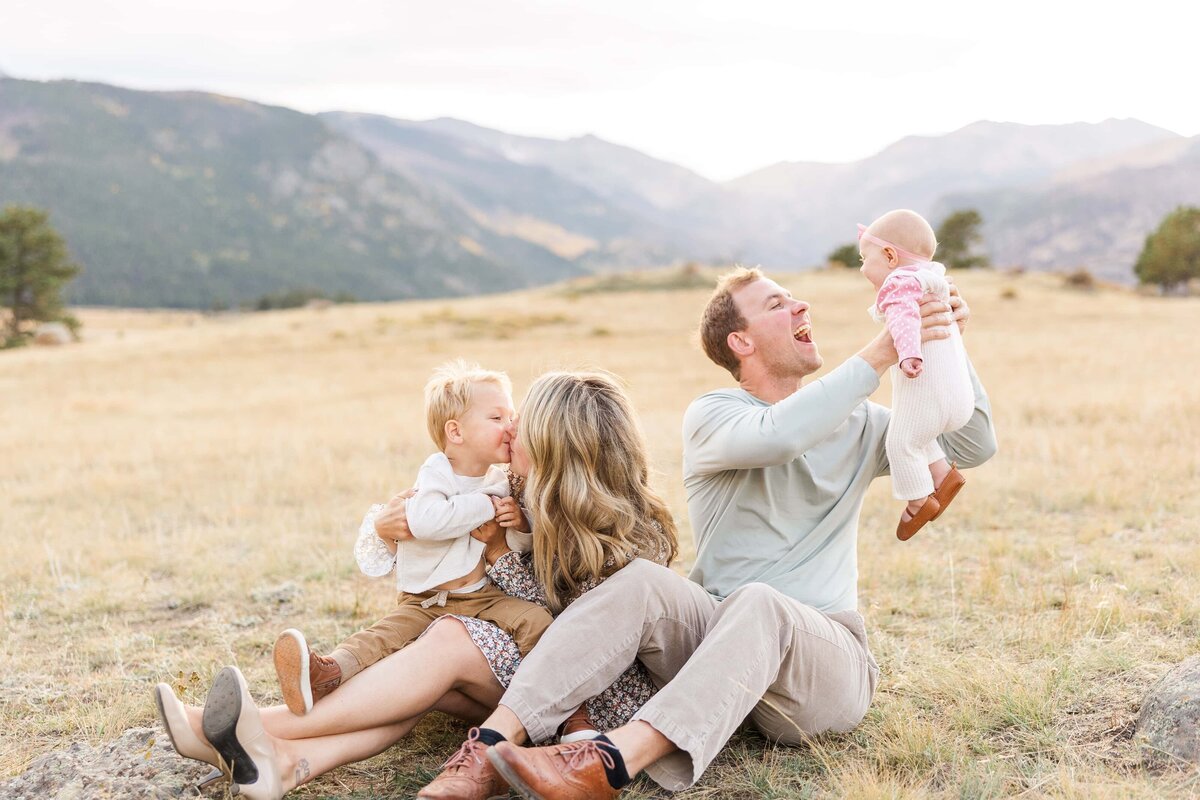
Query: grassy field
x=177, y=489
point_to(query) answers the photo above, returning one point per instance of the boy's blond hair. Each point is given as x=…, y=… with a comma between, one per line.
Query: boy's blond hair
x=721, y=317
x=449, y=391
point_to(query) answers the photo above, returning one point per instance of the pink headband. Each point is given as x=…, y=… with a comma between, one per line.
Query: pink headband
x=862, y=234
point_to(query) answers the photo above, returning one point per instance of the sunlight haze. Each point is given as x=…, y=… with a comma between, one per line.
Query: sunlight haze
x=722, y=88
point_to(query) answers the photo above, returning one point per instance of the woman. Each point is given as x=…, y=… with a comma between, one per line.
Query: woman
x=593, y=512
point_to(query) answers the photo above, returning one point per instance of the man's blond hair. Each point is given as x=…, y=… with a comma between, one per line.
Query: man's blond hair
x=721, y=317
x=449, y=391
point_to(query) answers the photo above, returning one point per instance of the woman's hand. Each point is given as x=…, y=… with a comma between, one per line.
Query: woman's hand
x=492, y=536
x=392, y=523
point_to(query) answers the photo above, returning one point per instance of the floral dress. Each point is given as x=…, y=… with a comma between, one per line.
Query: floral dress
x=513, y=574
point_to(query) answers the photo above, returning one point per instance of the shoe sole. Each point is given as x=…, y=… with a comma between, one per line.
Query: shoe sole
x=578, y=736
x=514, y=780
x=291, y=667
x=222, y=710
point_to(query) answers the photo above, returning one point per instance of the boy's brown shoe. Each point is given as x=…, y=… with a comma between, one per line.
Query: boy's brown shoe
x=468, y=775
x=563, y=772
x=908, y=528
x=304, y=676
x=952, y=484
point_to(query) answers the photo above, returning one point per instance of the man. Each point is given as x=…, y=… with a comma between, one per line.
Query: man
x=768, y=627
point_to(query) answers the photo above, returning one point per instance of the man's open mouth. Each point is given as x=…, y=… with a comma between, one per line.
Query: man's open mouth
x=803, y=334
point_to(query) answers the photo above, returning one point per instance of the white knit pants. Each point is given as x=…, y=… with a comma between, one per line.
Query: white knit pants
x=937, y=401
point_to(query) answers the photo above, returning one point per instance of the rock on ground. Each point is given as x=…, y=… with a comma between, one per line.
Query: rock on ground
x=140, y=765
x=52, y=333
x=1168, y=729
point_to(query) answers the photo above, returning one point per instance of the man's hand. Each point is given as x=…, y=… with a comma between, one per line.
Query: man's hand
x=492, y=535
x=911, y=367
x=392, y=523
x=880, y=352
x=935, y=319
x=962, y=312
x=508, y=514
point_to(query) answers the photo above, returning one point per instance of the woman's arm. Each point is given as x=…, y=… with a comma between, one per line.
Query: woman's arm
x=375, y=558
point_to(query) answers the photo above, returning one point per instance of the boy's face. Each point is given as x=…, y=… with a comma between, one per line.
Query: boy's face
x=488, y=426
x=875, y=266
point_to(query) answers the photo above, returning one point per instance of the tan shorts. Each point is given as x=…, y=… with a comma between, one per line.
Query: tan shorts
x=523, y=621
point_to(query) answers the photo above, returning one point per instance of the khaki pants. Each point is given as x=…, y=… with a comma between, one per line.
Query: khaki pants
x=792, y=670
x=524, y=621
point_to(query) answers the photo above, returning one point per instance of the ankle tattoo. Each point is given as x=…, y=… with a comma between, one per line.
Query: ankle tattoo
x=302, y=771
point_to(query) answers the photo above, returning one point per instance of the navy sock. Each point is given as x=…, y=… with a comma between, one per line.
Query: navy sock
x=490, y=737
x=618, y=776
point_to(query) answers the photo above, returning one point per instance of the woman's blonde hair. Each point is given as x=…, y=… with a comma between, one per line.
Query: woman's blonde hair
x=588, y=488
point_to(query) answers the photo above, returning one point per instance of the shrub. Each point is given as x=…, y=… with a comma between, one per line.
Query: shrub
x=1080, y=279
x=1171, y=255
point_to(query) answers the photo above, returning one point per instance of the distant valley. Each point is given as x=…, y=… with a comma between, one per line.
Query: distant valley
x=188, y=199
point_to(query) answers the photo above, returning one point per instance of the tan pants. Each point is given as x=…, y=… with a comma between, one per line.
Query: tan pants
x=524, y=621
x=790, y=669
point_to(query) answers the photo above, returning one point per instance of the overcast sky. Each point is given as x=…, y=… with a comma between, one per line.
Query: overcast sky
x=721, y=87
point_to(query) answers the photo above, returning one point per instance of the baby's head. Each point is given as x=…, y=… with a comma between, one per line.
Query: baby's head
x=469, y=411
x=897, y=238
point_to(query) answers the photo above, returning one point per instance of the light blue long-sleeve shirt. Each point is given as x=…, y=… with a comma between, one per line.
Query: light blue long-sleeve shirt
x=774, y=491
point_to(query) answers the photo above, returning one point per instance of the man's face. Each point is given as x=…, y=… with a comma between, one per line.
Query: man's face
x=779, y=327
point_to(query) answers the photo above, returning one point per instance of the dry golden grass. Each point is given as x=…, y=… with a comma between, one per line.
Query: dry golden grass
x=161, y=479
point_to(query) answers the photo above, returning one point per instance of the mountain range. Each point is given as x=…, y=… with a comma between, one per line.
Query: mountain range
x=191, y=199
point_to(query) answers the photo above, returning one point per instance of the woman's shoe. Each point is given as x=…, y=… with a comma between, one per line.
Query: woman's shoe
x=183, y=738
x=233, y=726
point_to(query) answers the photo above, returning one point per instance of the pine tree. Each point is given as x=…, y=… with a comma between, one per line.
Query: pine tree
x=34, y=265
x=846, y=255
x=1171, y=255
x=958, y=236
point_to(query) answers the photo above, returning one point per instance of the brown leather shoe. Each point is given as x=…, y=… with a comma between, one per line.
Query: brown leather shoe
x=577, y=727
x=952, y=484
x=304, y=676
x=907, y=528
x=468, y=775
x=562, y=772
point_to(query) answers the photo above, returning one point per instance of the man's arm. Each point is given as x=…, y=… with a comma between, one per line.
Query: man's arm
x=975, y=442
x=722, y=433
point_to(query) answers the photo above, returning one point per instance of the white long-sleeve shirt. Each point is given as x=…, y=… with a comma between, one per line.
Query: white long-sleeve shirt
x=441, y=516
